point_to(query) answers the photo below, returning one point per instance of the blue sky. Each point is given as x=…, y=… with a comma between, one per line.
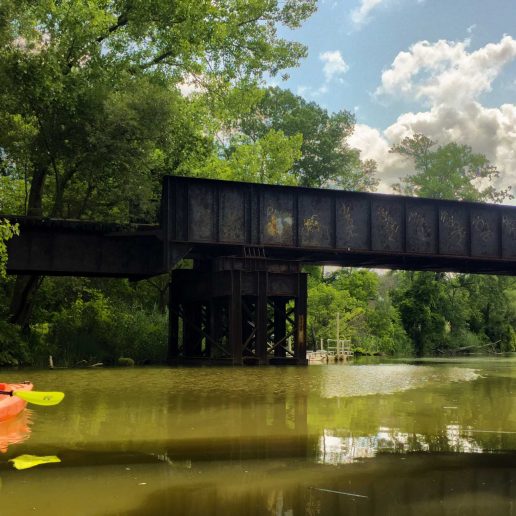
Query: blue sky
x=443, y=67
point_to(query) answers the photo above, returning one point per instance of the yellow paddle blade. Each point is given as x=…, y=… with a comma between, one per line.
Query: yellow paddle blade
x=40, y=398
x=29, y=461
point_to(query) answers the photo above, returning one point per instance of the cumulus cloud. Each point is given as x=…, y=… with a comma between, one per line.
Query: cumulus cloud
x=444, y=72
x=334, y=64
x=373, y=144
x=360, y=15
x=491, y=131
x=449, y=80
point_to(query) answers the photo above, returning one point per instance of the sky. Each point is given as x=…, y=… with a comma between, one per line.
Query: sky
x=445, y=68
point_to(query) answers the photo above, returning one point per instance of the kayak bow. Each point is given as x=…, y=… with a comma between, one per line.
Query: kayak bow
x=10, y=405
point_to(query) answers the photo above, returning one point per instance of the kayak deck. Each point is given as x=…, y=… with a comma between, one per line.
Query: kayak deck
x=11, y=406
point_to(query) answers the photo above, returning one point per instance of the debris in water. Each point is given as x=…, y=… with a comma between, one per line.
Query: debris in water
x=338, y=492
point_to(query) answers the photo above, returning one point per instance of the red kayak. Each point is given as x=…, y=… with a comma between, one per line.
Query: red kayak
x=11, y=406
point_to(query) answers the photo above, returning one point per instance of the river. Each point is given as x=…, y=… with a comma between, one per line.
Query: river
x=428, y=437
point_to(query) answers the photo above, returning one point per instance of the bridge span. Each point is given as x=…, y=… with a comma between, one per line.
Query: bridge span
x=245, y=299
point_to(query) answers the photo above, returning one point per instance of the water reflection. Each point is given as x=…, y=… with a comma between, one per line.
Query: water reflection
x=341, y=447
x=15, y=430
x=385, y=439
x=363, y=380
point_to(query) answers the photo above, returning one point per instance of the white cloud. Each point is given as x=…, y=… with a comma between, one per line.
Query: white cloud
x=450, y=81
x=360, y=15
x=444, y=72
x=334, y=64
x=373, y=144
x=491, y=131
x=471, y=28
x=307, y=92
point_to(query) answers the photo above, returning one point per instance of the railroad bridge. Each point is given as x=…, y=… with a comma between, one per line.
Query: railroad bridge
x=244, y=300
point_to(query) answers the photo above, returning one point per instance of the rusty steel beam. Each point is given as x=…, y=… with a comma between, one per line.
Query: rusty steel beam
x=338, y=227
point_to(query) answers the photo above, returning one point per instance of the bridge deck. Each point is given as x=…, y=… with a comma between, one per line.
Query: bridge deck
x=82, y=248
x=205, y=218
x=338, y=227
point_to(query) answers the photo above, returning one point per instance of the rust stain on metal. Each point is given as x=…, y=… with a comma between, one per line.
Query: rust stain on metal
x=390, y=226
x=349, y=226
x=510, y=225
x=277, y=223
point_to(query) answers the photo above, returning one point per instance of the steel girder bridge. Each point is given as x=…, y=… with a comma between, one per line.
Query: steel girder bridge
x=244, y=300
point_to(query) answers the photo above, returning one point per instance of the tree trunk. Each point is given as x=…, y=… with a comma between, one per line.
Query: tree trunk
x=35, y=204
x=22, y=300
x=61, y=184
x=26, y=287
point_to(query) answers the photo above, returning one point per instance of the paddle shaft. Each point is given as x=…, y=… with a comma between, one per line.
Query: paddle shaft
x=7, y=393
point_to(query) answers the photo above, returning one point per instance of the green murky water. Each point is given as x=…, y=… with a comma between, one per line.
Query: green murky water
x=433, y=437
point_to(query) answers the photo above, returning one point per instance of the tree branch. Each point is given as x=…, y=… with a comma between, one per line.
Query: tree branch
x=121, y=22
x=158, y=59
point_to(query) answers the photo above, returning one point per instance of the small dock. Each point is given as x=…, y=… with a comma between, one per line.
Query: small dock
x=332, y=350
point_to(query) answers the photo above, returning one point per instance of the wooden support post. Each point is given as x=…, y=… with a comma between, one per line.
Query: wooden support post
x=280, y=326
x=261, y=318
x=300, y=320
x=235, y=318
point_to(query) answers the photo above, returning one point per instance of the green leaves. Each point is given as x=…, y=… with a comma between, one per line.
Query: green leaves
x=445, y=312
x=451, y=171
x=7, y=231
x=90, y=103
x=326, y=159
x=365, y=316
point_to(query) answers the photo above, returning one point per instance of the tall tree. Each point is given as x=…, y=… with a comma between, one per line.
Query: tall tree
x=91, y=103
x=451, y=171
x=268, y=160
x=91, y=82
x=439, y=311
x=326, y=159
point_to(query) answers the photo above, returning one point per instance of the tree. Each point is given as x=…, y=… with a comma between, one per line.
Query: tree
x=451, y=171
x=366, y=318
x=326, y=159
x=268, y=160
x=92, y=110
x=75, y=74
x=446, y=312
x=7, y=231
x=421, y=301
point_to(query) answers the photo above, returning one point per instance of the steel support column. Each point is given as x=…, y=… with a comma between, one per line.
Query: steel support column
x=261, y=318
x=280, y=326
x=235, y=318
x=300, y=320
x=235, y=310
x=173, y=326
